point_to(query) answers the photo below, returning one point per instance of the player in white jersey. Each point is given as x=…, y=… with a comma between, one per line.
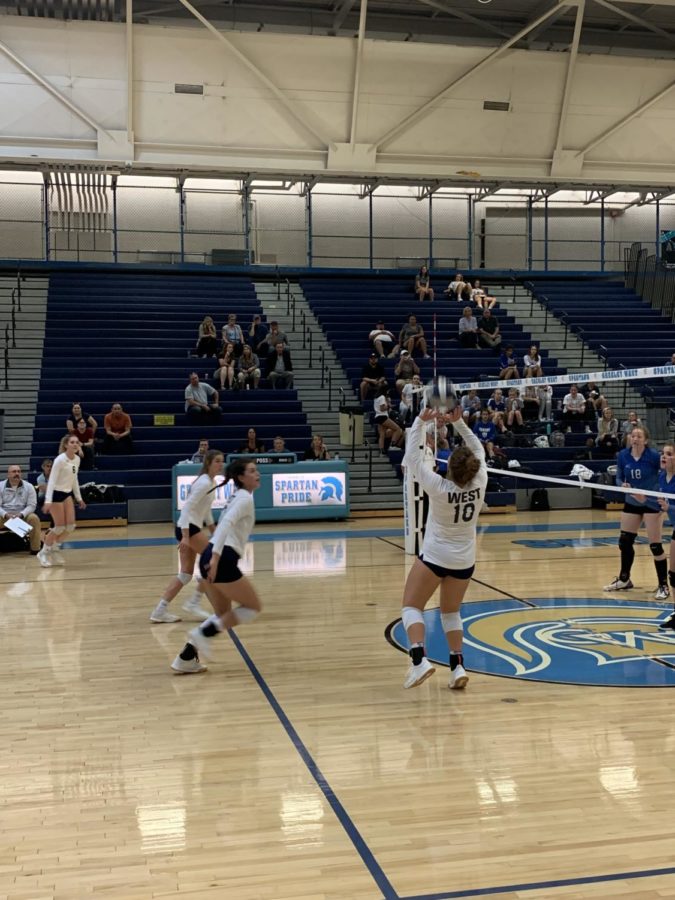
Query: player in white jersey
x=62, y=490
x=449, y=548
x=192, y=539
x=225, y=584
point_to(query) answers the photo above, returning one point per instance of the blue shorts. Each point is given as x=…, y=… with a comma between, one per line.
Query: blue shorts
x=442, y=572
x=228, y=565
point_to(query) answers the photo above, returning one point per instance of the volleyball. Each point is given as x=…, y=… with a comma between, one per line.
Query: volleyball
x=440, y=394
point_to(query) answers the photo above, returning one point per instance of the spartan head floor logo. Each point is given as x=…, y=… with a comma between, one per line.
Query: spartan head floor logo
x=567, y=641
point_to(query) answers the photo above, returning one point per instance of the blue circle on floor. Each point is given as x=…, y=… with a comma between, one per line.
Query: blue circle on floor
x=610, y=643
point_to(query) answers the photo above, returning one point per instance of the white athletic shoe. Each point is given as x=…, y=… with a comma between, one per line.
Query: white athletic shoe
x=418, y=674
x=619, y=585
x=662, y=592
x=160, y=616
x=201, y=644
x=187, y=666
x=194, y=610
x=458, y=678
x=57, y=558
x=44, y=558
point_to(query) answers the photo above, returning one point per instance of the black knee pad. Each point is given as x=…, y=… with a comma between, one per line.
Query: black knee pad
x=671, y=578
x=657, y=549
x=626, y=540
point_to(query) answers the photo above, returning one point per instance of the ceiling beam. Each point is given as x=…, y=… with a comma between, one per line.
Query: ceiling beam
x=357, y=71
x=487, y=191
x=56, y=94
x=643, y=107
x=595, y=194
x=569, y=80
x=638, y=20
x=419, y=113
x=299, y=118
x=345, y=8
x=483, y=24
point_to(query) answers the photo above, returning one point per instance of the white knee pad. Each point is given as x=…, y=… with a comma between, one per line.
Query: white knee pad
x=410, y=615
x=184, y=578
x=70, y=528
x=244, y=615
x=58, y=529
x=451, y=621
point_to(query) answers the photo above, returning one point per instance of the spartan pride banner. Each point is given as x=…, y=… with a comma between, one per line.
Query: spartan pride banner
x=572, y=378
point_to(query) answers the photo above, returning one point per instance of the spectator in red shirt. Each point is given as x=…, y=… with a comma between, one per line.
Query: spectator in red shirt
x=117, y=425
x=86, y=452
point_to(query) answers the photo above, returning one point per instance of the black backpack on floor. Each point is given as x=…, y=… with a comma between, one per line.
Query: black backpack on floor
x=539, y=500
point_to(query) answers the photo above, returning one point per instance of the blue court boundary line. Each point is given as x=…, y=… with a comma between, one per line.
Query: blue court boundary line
x=542, y=885
x=340, y=534
x=343, y=817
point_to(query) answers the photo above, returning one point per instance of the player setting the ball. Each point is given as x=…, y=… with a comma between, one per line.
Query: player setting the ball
x=449, y=548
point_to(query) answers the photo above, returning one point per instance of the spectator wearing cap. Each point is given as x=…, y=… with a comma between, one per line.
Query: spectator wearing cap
x=404, y=370
x=256, y=333
x=383, y=341
x=373, y=378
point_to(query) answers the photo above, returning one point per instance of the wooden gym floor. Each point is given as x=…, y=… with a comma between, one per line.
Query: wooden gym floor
x=297, y=766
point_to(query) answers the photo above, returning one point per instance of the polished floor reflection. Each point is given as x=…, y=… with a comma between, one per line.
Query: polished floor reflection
x=297, y=767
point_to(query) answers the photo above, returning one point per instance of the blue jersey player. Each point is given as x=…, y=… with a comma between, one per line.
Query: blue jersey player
x=638, y=466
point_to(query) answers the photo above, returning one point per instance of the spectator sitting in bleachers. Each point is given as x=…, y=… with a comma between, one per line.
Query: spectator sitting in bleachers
x=574, y=409
x=207, y=343
x=405, y=370
x=373, y=378
x=256, y=334
x=423, y=287
x=411, y=397
x=43, y=479
x=530, y=404
x=532, y=363
x=272, y=338
x=202, y=450
x=386, y=427
x=226, y=365
x=412, y=337
x=496, y=406
x=471, y=407
x=468, y=329
x=74, y=417
x=279, y=445
x=488, y=331
x=383, y=341
x=251, y=444
x=486, y=432
x=608, y=433
x=117, y=425
x=18, y=500
x=633, y=421
x=514, y=409
x=201, y=401
x=317, y=450
x=480, y=298
x=248, y=375
x=545, y=396
x=86, y=450
x=507, y=364
x=456, y=286
x=279, y=367
x=232, y=334
x=595, y=401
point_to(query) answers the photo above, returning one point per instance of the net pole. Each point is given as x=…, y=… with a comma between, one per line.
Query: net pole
x=434, y=361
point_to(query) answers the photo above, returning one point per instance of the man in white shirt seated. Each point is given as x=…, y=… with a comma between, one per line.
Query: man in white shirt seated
x=574, y=408
x=18, y=500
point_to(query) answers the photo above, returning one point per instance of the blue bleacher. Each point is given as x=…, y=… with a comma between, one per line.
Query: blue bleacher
x=128, y=338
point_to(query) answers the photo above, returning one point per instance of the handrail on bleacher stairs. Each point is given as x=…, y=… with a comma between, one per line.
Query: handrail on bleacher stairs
x=650, y=278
